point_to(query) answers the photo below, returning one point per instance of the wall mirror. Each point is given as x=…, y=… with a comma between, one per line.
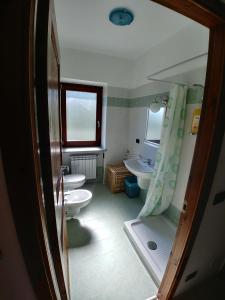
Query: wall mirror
x=154, y=124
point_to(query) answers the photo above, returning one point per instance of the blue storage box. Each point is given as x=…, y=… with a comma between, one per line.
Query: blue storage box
x=131, y=187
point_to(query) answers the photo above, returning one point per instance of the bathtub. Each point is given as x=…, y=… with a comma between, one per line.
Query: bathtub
x=152, y=238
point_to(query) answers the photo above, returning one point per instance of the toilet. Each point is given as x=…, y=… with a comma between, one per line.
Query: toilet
x=75, y=198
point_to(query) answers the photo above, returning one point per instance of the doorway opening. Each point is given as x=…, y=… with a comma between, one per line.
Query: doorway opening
x=47, y=247
x=126, y=126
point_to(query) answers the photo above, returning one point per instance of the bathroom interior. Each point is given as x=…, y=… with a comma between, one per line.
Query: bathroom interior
x=132, y=90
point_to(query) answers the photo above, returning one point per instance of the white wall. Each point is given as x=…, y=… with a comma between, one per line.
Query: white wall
x=117, y=126
x=76, y=64
x=117, y=132
x=117, y=72
x=195, y=76
x=208, y=253
x=186, y=44
x=14, y=280
x=185, y=160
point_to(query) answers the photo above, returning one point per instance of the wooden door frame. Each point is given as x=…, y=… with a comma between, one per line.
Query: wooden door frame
x=23, y=176
x=46, y=35
x=209, y=139
x=20, y=147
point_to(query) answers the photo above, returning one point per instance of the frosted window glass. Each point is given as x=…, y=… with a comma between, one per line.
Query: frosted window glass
x=154, y=125
x=81, y=116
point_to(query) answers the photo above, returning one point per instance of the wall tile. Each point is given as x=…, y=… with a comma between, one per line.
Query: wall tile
x=173, y=214
x=194, y=96
x=146, y=100
x=118, y=102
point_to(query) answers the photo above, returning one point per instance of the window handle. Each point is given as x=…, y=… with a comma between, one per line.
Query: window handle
x=98, y=124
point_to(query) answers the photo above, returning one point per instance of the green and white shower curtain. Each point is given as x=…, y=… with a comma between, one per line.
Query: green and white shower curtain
x=163, y=181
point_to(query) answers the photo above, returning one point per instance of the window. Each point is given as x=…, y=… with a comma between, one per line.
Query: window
x=81, y=115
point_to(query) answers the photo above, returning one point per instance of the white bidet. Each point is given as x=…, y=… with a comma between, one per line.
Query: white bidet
x=75, y=200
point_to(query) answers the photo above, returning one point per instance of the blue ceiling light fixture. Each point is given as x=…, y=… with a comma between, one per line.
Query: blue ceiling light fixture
x=121, y=16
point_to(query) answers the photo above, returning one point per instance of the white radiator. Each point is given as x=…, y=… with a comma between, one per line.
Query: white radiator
x=84, y=164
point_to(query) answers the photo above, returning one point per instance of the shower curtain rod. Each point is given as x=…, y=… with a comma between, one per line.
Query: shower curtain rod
x=174, y=82
x=171, y=67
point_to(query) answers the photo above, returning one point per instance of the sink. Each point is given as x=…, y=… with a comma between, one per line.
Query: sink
x=141, y=169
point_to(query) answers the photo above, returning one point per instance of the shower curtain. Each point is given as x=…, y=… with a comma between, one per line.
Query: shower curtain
x=164, y=177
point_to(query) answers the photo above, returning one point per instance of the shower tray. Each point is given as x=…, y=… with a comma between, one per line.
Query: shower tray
x=152, y=238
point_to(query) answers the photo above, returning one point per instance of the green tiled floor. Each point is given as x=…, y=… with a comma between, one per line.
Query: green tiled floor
x=103, y=264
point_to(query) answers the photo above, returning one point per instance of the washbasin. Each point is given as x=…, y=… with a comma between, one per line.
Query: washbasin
x=141, y=169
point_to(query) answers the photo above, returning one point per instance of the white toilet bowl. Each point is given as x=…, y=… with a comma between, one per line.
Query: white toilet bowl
x=73, y=181
x=75, y=200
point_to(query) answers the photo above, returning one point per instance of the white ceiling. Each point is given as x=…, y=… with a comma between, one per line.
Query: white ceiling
x=84, y=25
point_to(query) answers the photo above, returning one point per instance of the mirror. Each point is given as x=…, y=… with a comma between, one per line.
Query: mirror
x=154, y=125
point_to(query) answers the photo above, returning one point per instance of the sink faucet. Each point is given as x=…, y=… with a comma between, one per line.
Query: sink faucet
x=148, y=161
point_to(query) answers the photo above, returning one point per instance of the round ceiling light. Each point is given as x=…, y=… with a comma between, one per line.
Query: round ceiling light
x=121, y=16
